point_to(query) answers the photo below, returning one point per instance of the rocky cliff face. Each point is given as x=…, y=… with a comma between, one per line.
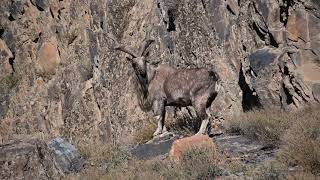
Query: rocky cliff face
x=60, y=77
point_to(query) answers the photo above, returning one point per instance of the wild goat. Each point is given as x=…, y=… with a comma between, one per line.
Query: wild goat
x=168, y=86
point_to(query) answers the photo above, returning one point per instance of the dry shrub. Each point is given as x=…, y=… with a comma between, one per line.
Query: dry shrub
x=302, y=141
x=269, y=171
x=266, y=126
x=301, y=175
x=195, y=164
x=274, y=169
x=236, y=166
x=102, y=158
x=145, y=133
x=199, y=164
x=296, y=133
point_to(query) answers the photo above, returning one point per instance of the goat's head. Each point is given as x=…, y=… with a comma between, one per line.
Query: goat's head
x=137, y=59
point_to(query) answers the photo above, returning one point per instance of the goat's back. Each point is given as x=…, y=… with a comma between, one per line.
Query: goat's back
x=184, y=84
x=188, y=78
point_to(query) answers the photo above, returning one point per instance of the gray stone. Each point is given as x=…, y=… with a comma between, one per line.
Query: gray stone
x=262, y=58
x=66, y=155
x=41, y=4
x=159, y=146
x=27, y=159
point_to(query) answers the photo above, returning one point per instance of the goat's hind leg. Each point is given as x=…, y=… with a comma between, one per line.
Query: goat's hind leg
x=203, y=127
x=200, y=104
x=201, y=112
x=159, y=112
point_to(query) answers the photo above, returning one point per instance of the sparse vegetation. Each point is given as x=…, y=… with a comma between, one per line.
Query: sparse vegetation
x=301, y=143
x=111, y=163
x=196, y=164
x=296, y=134
x=266, y=126
x=145, y=133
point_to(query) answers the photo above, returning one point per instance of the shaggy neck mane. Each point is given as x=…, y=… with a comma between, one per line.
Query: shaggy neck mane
x=141, y=86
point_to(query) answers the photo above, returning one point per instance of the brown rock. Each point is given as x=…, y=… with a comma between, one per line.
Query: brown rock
x=48, y=56
x=297, y=26
x=5, y=55
x=181, y=146
x=293, y=33
x=314, y=25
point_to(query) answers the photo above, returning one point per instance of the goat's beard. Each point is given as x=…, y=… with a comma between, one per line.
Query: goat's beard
x=141, y=88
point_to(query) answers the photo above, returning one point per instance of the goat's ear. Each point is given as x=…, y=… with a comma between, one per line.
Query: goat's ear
x=144, y=46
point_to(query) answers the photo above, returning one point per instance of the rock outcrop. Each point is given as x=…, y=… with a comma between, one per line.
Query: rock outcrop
x=60, y=76
x=31, y=158
x=66, y=156
x=28, y=159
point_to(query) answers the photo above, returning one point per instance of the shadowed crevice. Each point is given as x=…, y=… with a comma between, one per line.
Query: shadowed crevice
x=171, y=25
x=249, y=100
x=284, y=10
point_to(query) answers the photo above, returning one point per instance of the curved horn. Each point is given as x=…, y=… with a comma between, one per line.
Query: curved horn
x=121, y=47
x=127, y=50
x=144, y=46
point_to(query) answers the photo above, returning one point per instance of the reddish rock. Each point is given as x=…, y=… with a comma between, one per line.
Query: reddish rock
x=297, y=26
x=182, y=146
x=48, y=56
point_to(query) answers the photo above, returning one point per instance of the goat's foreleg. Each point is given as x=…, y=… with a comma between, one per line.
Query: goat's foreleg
x=159, y=112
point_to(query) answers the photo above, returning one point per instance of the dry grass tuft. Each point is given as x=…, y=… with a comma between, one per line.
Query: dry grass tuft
x=297, y=134
x=102, y=158
x=302, y=141
x=266, y=126
x=195, y=164
x=145, y=133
